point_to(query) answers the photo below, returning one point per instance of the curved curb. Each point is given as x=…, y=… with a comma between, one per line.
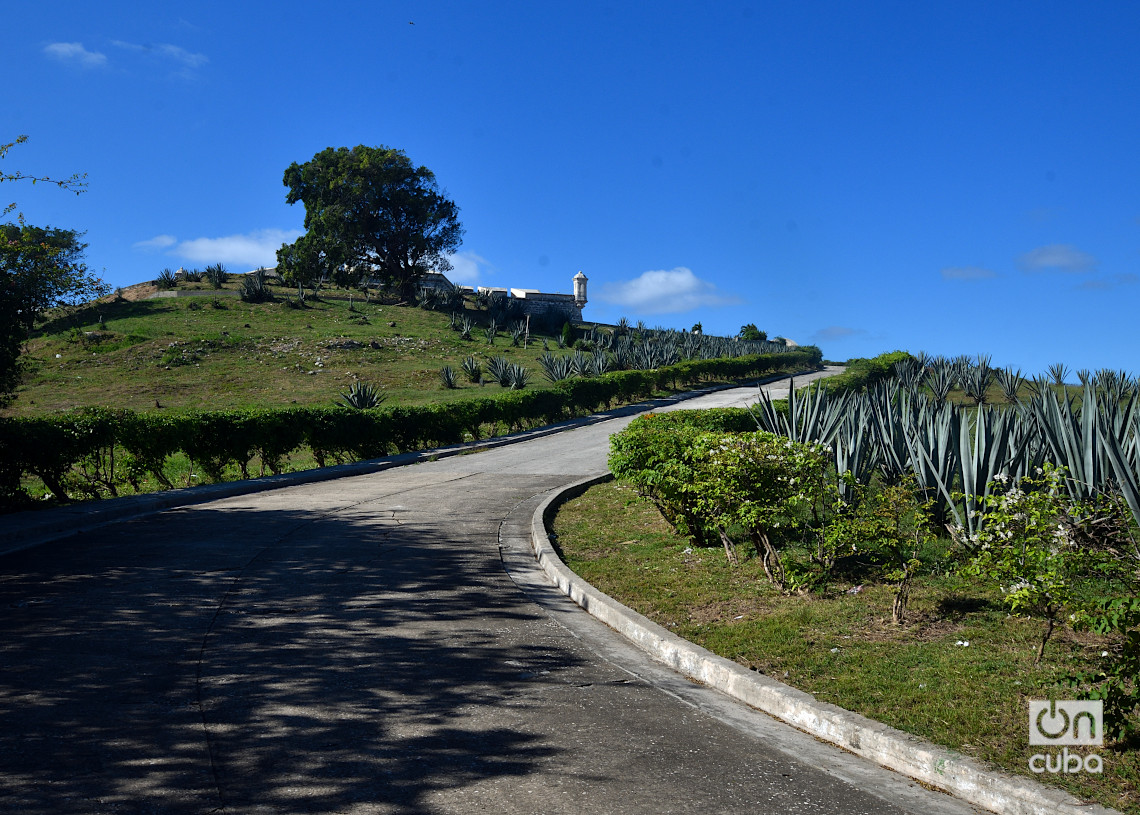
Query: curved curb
x=927, y=763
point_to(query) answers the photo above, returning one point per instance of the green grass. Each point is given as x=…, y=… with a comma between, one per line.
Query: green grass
x=182, y=353
x=843, y=647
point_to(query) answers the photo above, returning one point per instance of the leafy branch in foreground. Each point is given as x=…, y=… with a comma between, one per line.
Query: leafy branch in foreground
x=74, y=184
x=1117, y=684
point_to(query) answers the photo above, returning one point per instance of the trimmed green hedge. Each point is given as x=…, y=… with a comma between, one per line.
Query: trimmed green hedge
x=98, y=452
x=862, y=373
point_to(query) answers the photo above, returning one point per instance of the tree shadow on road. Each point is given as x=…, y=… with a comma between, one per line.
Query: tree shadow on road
x=248, y=659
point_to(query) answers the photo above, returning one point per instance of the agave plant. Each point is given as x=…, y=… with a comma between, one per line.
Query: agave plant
x=580, y=364
x=909, y=374
x=599, y=363
x=254, y=288
x=491, y=331
x=472, y=369
x=217, y=275
x=428, y=298
x=193, y=276
x=362, y=396
x=518, y=332
x=555, y=368
x=498, y=368
x=1058, y=373
x=466, y=326
x=1010, y=382
x=977, y=379
x=518, y=377
x=166, y=279
x=447, y=377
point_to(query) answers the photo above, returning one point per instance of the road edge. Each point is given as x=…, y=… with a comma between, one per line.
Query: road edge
x=938, y=767
x=30, y=528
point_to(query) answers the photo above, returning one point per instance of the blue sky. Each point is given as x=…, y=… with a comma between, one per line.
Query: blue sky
x=958, y=178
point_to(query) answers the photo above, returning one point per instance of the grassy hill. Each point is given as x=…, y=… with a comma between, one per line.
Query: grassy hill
x=219, y=352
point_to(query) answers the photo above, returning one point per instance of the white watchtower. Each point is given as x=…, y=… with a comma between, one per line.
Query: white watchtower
x=580, y=289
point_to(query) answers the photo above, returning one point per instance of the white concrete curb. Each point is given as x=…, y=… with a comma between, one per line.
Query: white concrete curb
x=932, y=765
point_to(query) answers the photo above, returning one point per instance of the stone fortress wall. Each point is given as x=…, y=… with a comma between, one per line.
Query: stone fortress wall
x=532, y=302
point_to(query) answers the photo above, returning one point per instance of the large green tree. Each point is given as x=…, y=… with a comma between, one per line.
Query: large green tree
x=370, y=210
x=40, y=267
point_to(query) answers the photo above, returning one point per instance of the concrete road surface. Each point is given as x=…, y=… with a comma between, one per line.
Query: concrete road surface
x=357, y=646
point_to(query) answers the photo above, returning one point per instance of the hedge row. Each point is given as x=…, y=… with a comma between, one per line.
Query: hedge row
x=863, y=373
x=98, y=451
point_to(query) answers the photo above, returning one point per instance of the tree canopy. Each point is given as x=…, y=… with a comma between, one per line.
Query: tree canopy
x=40, y=267
x=369, y=210
x=751, y=332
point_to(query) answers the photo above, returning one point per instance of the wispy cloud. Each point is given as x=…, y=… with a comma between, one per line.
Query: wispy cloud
x=253, y=249
x=155, y=243
x=187, y=61
x=1113, y=282
x=665, y=292
x=466, y=267
x=1062, y=257
x=75, y=53
x=967, y=273
x=834, y=333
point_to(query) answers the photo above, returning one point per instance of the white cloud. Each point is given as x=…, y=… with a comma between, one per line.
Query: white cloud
x=966, y=273
x=665, y=292
x=1062, y=257
x=836, y=332
x=157, y=242
x=188, y=60
x=75, y=52
x=257, y=248
x=465, y=267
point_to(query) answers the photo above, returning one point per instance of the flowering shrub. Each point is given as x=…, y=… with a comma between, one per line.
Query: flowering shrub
x=1034, y=546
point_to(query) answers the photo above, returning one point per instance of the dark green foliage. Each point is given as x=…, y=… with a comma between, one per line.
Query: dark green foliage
x=371, y=207
x=255, y=288
x=862, y=374
x=166, y=279
x=362, y=396
x=751, y=333
x=40, y=268
x=97, y=452
x=217, y=275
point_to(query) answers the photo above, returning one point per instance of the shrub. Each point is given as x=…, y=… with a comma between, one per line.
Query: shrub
x=254, y=288
x=217, y=275
x=1034, y=545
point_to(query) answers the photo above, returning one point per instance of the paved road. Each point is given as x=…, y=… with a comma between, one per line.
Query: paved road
x=357, y=646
